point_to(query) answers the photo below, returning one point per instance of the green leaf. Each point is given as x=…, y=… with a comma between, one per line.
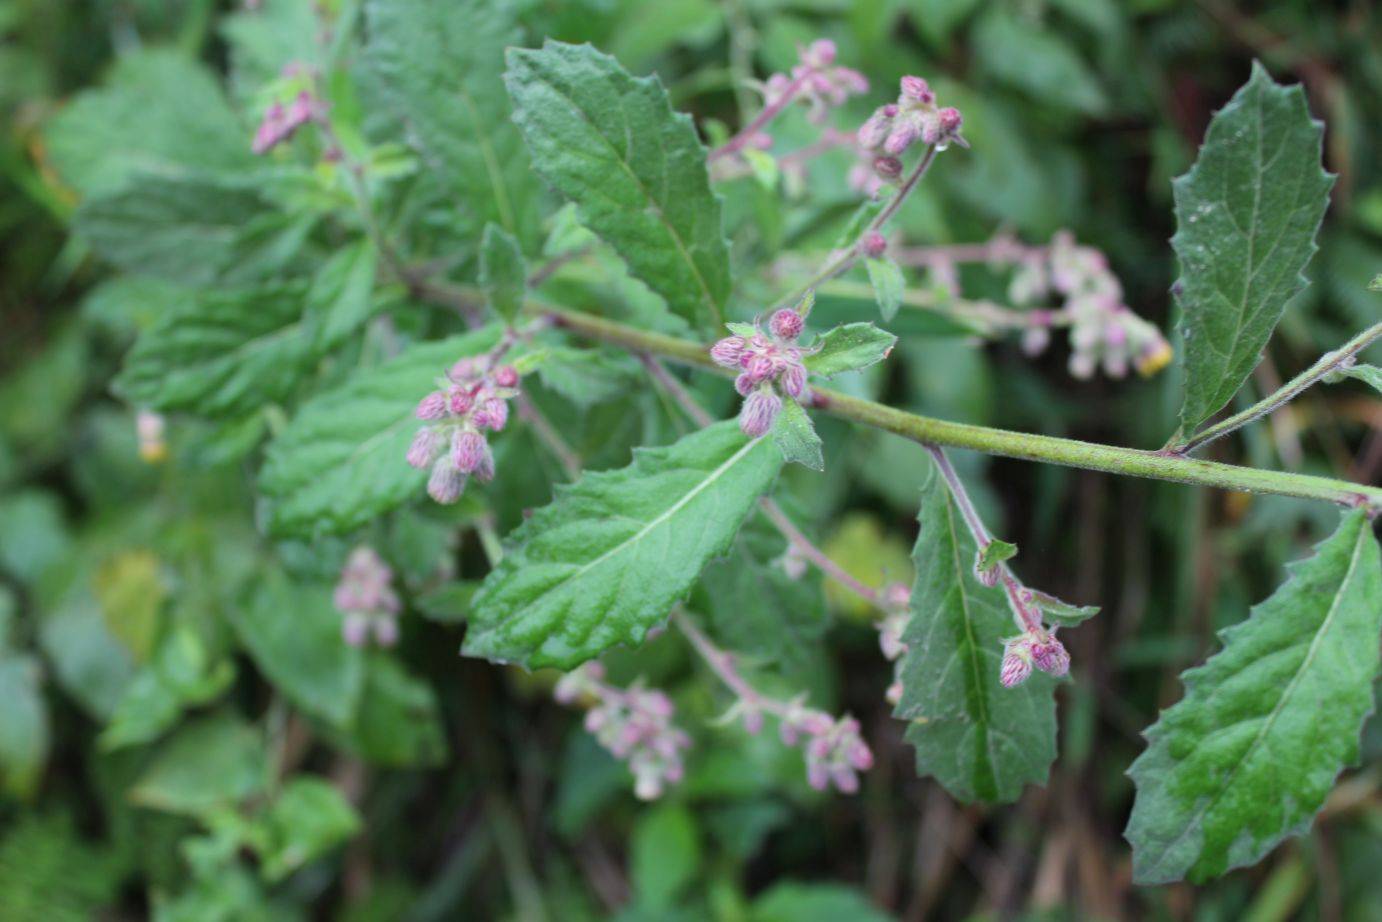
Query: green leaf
x=849, y=348
x=441, y=64
x=188, y=229
x=307, y=819
x=994, y=553
x=1246, y=218
x=226, y=353
x=398, y=722
x=635, y=170
x=981, y=741
x=180, y=676
x=792, y=901
x=1247, y=757
x=340, y=462
x=796, y=437
x=449, y=604
x=1368, y=374
x=293, y=634
x=1063, y=614
x=214, y=762
x=664, y=855
x=1038, y=62
x=763, y=165
x=162, y=113
x=24, y=731
x=588, y=376
x=503, y=274
x=617, y=549
x=341, y=298
x=888, y=285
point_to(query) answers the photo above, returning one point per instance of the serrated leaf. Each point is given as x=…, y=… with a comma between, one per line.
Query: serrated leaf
x=190, y=229
x=1247, y=757
x=634, y=169
x=796, y=437
x=1063, y=614
x=981, y=741
x=340, y=299
x=503, y=274
x=162, y=112
x=994, y=553
x=225, y=353
x=340, y=462
x=588, y=376
x=441, y=64
x=849, y=348
x=1246, y=218
x=1368, y=374
x=888, y=285
x=616, y=550
x=293, y=633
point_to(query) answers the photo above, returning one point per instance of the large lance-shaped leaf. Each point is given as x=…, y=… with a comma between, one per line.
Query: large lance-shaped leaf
x=1246, y=219
x=341, y=461
x=608, y=559
x=634, y=168
x=1248, y=755
x=981, y=741
x=441, y=63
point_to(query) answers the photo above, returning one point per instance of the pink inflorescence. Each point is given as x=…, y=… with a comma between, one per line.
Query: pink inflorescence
x=634, y=724
x=835, y=752
x=1104, y=332
x=367, y=600
x=1037, y=648
x=893, y=128
x=897, y=598
x=472, y=398
x=818, y=81
x=282, y=120
x=768, y=362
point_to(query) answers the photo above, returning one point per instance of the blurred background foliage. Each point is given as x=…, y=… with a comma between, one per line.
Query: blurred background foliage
x=132, y=596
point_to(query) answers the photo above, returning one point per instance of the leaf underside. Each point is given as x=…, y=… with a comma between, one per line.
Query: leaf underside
x=635, y=170
x=616, y=550
x=1247, y=214
x=1247, y=757
x=979, y=740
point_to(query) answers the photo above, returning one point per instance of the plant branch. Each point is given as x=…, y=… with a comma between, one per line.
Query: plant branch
x=1329, y=362
x=761, y=121
x=1157, y=465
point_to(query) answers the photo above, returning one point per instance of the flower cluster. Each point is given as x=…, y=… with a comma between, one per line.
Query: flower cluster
x=895, y=127
x=473, y=397
x=835, y=752
x=282, y=119
x=634, y=724
x=1103, y=330
x=1036, y=647
x=765, y=362
x=897, y=597
x=366, y=599
x=819, y=83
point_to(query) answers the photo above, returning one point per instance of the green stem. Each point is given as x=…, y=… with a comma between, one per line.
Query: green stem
x=925, y=430
x=1329, y=362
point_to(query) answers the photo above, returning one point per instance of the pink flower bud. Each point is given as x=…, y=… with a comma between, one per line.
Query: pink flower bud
x=506, y=376
x=1035, y=340
x=874, y=130
x=950, y=119
x=271, y=129
x=759, y=413
x=461, y=401
x=759, y=368
x=728, y=352
x=424, y=449
x=818, y=776
x=744, y=384
x=903, y=136
x=787, y=732
x=462, y=370
x=786, y=324
x=860, y=755
x=894, y=693
x=433, y=406
x=874, y=244
x=846, y=782
x=386, y=631
x=753, y=721
x=1050, y=656
x=794, y=379
x=468, y=450
x=496, y=414
x=918, y=89
x=1016, y=665
x=887, y=168
x=821, y=53
x=446, y=483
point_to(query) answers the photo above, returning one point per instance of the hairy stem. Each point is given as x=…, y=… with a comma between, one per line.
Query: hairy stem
x=1157, y=465
x=771, y=509
x=761, y=121
x=1329, y=362
x=721, y=662
x=1023, y=614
